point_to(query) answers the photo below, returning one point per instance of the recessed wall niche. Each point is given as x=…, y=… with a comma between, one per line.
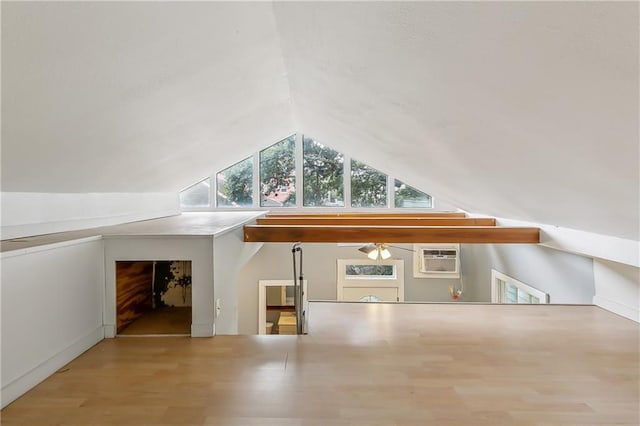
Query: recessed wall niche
x=153, y=297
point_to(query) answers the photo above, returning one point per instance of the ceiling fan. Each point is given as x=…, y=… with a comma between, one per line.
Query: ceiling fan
x=379, y=251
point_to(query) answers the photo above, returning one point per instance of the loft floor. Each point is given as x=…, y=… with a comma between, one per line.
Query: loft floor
x=362, y=364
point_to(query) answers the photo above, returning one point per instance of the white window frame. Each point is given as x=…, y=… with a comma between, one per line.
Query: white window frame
x=497, y=293
x=299, y=186
x=384, y=281
x=212, y=203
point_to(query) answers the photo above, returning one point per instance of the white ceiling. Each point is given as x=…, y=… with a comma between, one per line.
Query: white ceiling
x=520, y=110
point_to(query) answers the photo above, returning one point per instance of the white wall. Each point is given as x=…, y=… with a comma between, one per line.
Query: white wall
x=30, y=213
x=617, y=288
x=274, y=262
x=52, y=298
x=231, y=254
x=566, y=277
x=199, y=250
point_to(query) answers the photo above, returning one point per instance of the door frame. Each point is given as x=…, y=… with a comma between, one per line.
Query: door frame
x=262, y=302
x=397, y=281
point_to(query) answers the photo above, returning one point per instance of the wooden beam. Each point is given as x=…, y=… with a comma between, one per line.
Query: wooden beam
x=372, y=221
x=365, y=214
x=391, y=234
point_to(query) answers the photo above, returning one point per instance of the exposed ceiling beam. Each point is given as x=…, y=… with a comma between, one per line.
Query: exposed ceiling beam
x=373, y=221
x=368, y=215
x=391, y=234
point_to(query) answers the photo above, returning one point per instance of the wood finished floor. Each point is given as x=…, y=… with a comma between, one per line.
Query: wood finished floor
x=361, y=364
x=165, y=320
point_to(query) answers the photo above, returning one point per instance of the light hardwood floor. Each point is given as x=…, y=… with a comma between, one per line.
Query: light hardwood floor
x=361, y=364
x=164, y=320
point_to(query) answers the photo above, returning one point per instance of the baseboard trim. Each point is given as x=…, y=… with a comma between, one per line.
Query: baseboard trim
x=617, y=308
x=109, y=331
x=202, y=330
x=19, y=386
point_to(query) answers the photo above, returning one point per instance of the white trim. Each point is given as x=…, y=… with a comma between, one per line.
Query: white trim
x=255, y=190
x=109, y=331
x=299, y=170
x=45, y=247
x=496, y=288
x=391, y=192
x=262, y=301
x=202, y=330
x=346, y=180
x=19, y=386
x=629, y=312
x=583, y=243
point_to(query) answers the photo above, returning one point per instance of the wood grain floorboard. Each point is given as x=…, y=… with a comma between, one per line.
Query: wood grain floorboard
x=361, y=364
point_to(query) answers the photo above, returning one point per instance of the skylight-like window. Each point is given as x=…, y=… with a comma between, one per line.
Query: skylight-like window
x=235, y=185
x=368, y=186
x=408, y=197
x=197, y=196
x=278, y=174
x=323, y=175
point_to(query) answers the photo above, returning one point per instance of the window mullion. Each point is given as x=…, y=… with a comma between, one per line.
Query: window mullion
x=391, y=193
x=213, y=191
x=255, y=199
x=299, y=164
x=347, y=181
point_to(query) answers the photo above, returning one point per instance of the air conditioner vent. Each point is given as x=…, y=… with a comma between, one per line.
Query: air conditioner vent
x=436, y=261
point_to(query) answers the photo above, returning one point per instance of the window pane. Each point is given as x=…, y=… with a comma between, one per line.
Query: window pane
x=277, y=174
x=196, y=195
x=368, y=186
x=510, y=293
x=370, y=270
x=523, y=297
x=407, y=196
x=235, y=185
x=323, y=171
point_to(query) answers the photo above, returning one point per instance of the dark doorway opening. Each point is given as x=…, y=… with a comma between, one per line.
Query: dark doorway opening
x=153, y=297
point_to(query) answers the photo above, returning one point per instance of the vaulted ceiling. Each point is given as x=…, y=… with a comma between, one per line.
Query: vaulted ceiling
x=513, y=109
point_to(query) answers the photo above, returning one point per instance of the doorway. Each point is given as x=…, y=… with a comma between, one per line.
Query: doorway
x=276, y=307
x=153, y=297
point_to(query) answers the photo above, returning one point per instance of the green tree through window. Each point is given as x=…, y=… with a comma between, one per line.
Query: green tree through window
x=408, y=196
x=278, y=174
x=323, y=175
x=235, y=185
x=323, y=185
x=368, y=186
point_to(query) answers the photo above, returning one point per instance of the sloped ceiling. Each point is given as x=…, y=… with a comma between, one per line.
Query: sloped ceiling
x=519, y=110
x=136, y=96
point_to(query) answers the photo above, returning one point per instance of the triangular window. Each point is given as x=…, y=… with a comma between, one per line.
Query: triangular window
x=300, y=171
x=197, y=195
x=408, y=197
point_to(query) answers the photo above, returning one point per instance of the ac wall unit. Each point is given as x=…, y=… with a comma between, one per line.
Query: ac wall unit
x=436, y=261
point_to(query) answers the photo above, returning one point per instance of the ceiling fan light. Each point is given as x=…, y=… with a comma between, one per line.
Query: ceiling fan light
x=383, y=253
x=373, y=254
